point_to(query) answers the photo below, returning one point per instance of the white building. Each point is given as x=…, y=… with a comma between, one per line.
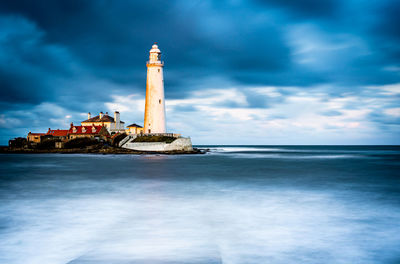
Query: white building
x=113, y=125
x=154, y=116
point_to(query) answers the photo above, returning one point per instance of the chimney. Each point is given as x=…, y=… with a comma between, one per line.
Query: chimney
x=89, y=116
x=117, y=120
x=72, y=124
x=116, y=116
x=106, y=113
x=101, y=115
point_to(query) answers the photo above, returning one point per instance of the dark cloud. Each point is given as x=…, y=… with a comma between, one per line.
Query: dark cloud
x=389, y=19
x=305, y=8
x=113, y=38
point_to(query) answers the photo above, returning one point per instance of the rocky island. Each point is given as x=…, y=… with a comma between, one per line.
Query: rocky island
x=91, y=146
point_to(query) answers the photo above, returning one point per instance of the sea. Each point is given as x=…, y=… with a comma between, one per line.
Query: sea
x=233, y=205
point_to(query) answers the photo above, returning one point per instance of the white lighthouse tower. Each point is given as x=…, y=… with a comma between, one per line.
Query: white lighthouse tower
x=154, y=114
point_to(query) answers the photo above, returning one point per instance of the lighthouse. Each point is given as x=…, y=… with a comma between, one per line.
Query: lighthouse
x=154, y=114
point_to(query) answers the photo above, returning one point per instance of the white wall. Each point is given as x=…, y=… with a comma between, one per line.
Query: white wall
x=178, y=144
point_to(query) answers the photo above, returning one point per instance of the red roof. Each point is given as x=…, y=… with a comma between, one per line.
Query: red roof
x=84, y=130
x=57, y=133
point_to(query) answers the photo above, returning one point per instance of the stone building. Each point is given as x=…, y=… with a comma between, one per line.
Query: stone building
x=35, y=137
x=112, y=124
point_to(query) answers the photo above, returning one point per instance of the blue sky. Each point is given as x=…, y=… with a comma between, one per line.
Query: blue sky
x=236, y=72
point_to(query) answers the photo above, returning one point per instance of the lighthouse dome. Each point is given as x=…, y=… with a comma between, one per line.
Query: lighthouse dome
x=154, y=48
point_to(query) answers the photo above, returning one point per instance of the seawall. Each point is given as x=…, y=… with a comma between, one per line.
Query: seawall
x=180, y=144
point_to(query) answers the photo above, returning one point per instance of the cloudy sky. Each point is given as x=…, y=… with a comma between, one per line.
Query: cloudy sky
x=236, y=72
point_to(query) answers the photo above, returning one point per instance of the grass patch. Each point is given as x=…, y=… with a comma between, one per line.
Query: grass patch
x=165, y=139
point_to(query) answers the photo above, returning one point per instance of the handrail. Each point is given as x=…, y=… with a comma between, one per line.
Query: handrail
x=123, y=141
x=155, y=63
x=160, y=134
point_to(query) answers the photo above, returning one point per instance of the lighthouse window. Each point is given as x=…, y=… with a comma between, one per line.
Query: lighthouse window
x=159, y=101
x=158, y=70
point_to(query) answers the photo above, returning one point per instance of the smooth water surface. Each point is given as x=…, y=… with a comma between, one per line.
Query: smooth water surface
x=242, y=204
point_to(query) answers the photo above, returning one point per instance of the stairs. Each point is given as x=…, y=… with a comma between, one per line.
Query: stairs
x=126, y=140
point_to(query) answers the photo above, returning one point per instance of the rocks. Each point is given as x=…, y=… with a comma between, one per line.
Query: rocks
x=99, y=150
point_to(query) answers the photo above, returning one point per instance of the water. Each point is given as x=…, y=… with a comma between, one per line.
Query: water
x=242, y=204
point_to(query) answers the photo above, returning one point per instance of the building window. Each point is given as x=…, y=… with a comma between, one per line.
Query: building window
x=158, y=70
x=159, y=101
